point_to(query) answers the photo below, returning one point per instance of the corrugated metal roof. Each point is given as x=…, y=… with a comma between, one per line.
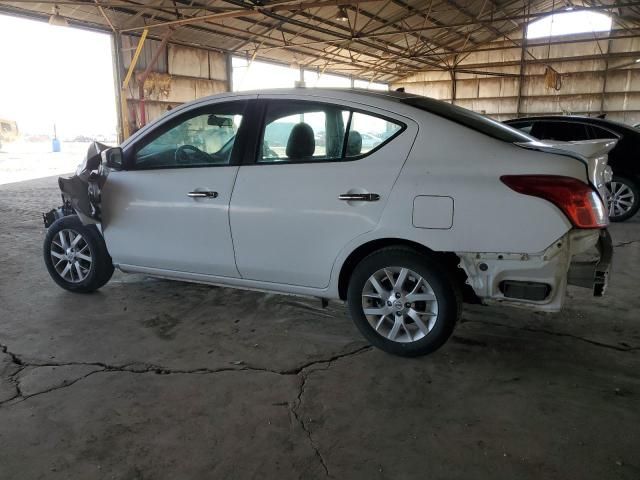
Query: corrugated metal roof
x=382, y=39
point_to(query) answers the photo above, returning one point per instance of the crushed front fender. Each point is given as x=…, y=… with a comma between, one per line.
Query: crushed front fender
x=82, y=190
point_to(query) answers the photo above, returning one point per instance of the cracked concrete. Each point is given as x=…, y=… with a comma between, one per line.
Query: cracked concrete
x=559, y=334
x=629, y=242
x=151, y=379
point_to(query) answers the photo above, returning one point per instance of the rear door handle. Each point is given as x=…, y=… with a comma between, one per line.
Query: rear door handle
x=203, y=194
x=359, y=197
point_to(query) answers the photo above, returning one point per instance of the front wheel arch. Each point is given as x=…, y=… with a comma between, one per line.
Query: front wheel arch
x=101, y=266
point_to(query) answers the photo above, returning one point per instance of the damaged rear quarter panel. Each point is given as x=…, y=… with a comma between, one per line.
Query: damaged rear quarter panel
x=485, y=271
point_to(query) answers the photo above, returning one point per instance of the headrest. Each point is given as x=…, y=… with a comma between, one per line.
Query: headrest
x=301, y=143
x=354, y=144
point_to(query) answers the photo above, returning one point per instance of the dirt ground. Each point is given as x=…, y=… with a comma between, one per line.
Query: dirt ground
x=152, y=379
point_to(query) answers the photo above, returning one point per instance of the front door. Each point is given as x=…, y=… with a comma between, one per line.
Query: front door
x=322, y=177
x=169, y=209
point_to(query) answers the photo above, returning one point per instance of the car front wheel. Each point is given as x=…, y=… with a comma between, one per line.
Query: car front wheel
x=403, y=301
x=624, y=199
x=76, y=255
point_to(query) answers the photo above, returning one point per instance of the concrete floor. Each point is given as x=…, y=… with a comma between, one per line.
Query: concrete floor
x=151, y=379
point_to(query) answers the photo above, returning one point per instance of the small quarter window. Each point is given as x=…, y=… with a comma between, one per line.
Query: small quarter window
x=367, y=132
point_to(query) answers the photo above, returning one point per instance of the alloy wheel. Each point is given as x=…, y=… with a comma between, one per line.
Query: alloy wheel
x=71, y=256
x=399, y=304
x=621, y=198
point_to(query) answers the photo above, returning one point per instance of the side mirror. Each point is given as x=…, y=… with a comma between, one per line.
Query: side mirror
x=112, y=158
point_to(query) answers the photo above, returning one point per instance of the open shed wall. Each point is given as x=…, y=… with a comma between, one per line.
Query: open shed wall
x=180, y=74
x=598, y=76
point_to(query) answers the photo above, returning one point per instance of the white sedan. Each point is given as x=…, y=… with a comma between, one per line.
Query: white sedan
x=444, y=206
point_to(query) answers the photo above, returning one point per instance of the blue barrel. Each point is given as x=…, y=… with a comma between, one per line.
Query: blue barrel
x=55, y=145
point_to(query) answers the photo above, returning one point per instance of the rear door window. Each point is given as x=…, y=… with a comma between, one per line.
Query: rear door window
x=299, y=131
x=306, y=135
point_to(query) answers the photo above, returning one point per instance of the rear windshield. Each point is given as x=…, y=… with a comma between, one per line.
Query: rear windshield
x=469, y=119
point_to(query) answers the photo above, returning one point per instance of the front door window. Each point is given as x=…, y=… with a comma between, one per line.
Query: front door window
x=202, y=139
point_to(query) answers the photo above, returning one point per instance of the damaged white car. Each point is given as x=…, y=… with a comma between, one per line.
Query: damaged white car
x=277, y=191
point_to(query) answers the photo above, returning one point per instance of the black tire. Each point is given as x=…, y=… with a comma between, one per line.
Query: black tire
x=441, y=282
x=633, y=188
x=100, y=269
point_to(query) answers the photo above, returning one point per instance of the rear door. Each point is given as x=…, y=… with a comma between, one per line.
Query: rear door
x=320, y=176
x=169, y=209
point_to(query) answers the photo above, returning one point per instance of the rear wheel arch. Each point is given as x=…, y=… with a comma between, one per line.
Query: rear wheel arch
x=448, y=259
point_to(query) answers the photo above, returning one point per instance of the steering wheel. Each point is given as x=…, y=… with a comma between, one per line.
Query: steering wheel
x=186, y=154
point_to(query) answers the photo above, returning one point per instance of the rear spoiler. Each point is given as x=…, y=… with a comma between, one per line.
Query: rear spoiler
x=593, y=153
x=582, y=150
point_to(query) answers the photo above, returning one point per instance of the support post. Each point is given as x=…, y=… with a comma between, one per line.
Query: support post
x=452, y=72
x=229, y=66
x=142, y=78
x=116, y=58
x=123, y=89
x=604, y=80
x=523, y=49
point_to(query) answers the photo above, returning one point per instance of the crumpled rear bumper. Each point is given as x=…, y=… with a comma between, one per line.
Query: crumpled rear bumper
x=594, y=273
x=539, y=281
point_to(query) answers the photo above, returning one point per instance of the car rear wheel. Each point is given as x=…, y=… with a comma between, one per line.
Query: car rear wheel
x=403, y=301
x=624, y=199
x=76, y=255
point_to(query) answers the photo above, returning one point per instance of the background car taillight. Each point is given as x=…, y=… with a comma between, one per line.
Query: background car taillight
x=579, y=202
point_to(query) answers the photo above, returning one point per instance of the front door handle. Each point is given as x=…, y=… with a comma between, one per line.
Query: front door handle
x=359, y=197
x=203, y=194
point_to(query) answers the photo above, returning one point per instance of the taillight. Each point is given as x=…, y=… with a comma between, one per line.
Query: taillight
x=579, y=202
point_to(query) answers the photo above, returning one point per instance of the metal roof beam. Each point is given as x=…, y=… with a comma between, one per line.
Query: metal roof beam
x=342, y=36
x=500, y=19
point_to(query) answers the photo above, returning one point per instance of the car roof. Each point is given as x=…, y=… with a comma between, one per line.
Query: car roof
x=318, y=91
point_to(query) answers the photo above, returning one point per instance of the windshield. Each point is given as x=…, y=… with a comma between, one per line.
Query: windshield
x=469, y=119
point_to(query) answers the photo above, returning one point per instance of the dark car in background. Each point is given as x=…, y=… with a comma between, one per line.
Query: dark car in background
x=624, y=159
